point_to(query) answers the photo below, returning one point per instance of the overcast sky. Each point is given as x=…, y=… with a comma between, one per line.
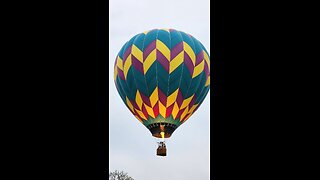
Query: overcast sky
x=131, y=146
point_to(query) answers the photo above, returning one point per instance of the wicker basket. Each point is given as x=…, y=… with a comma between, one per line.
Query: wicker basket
x=162, y=151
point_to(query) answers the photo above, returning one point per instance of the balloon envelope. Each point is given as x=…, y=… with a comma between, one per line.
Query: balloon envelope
x=163, y=76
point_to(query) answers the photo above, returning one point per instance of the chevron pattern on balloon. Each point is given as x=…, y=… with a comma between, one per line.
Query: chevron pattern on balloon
x=162, y=73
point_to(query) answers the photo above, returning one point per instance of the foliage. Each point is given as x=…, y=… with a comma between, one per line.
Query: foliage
x=119, y=175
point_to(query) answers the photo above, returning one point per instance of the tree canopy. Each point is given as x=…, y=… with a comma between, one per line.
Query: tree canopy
x=119, y=175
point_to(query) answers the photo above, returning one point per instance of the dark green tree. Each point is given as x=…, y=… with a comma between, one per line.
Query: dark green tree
x=119, y=175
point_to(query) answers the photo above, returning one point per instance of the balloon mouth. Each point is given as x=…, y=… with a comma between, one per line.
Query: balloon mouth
x=162, y=130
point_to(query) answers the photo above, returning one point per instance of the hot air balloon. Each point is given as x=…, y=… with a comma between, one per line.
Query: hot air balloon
x=162, y=76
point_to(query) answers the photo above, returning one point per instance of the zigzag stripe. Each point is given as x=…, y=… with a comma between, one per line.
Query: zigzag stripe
x=190, y=53
x=147, y=112
x=141, y=105
x=150, y=59
x=135, y=59
x=163, y=49
x=148, y=50
x=137, y=53
x=142, y=64
x=162, y=58
x=177, y=50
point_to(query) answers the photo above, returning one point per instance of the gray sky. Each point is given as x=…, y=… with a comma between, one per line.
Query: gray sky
x=131, y=147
